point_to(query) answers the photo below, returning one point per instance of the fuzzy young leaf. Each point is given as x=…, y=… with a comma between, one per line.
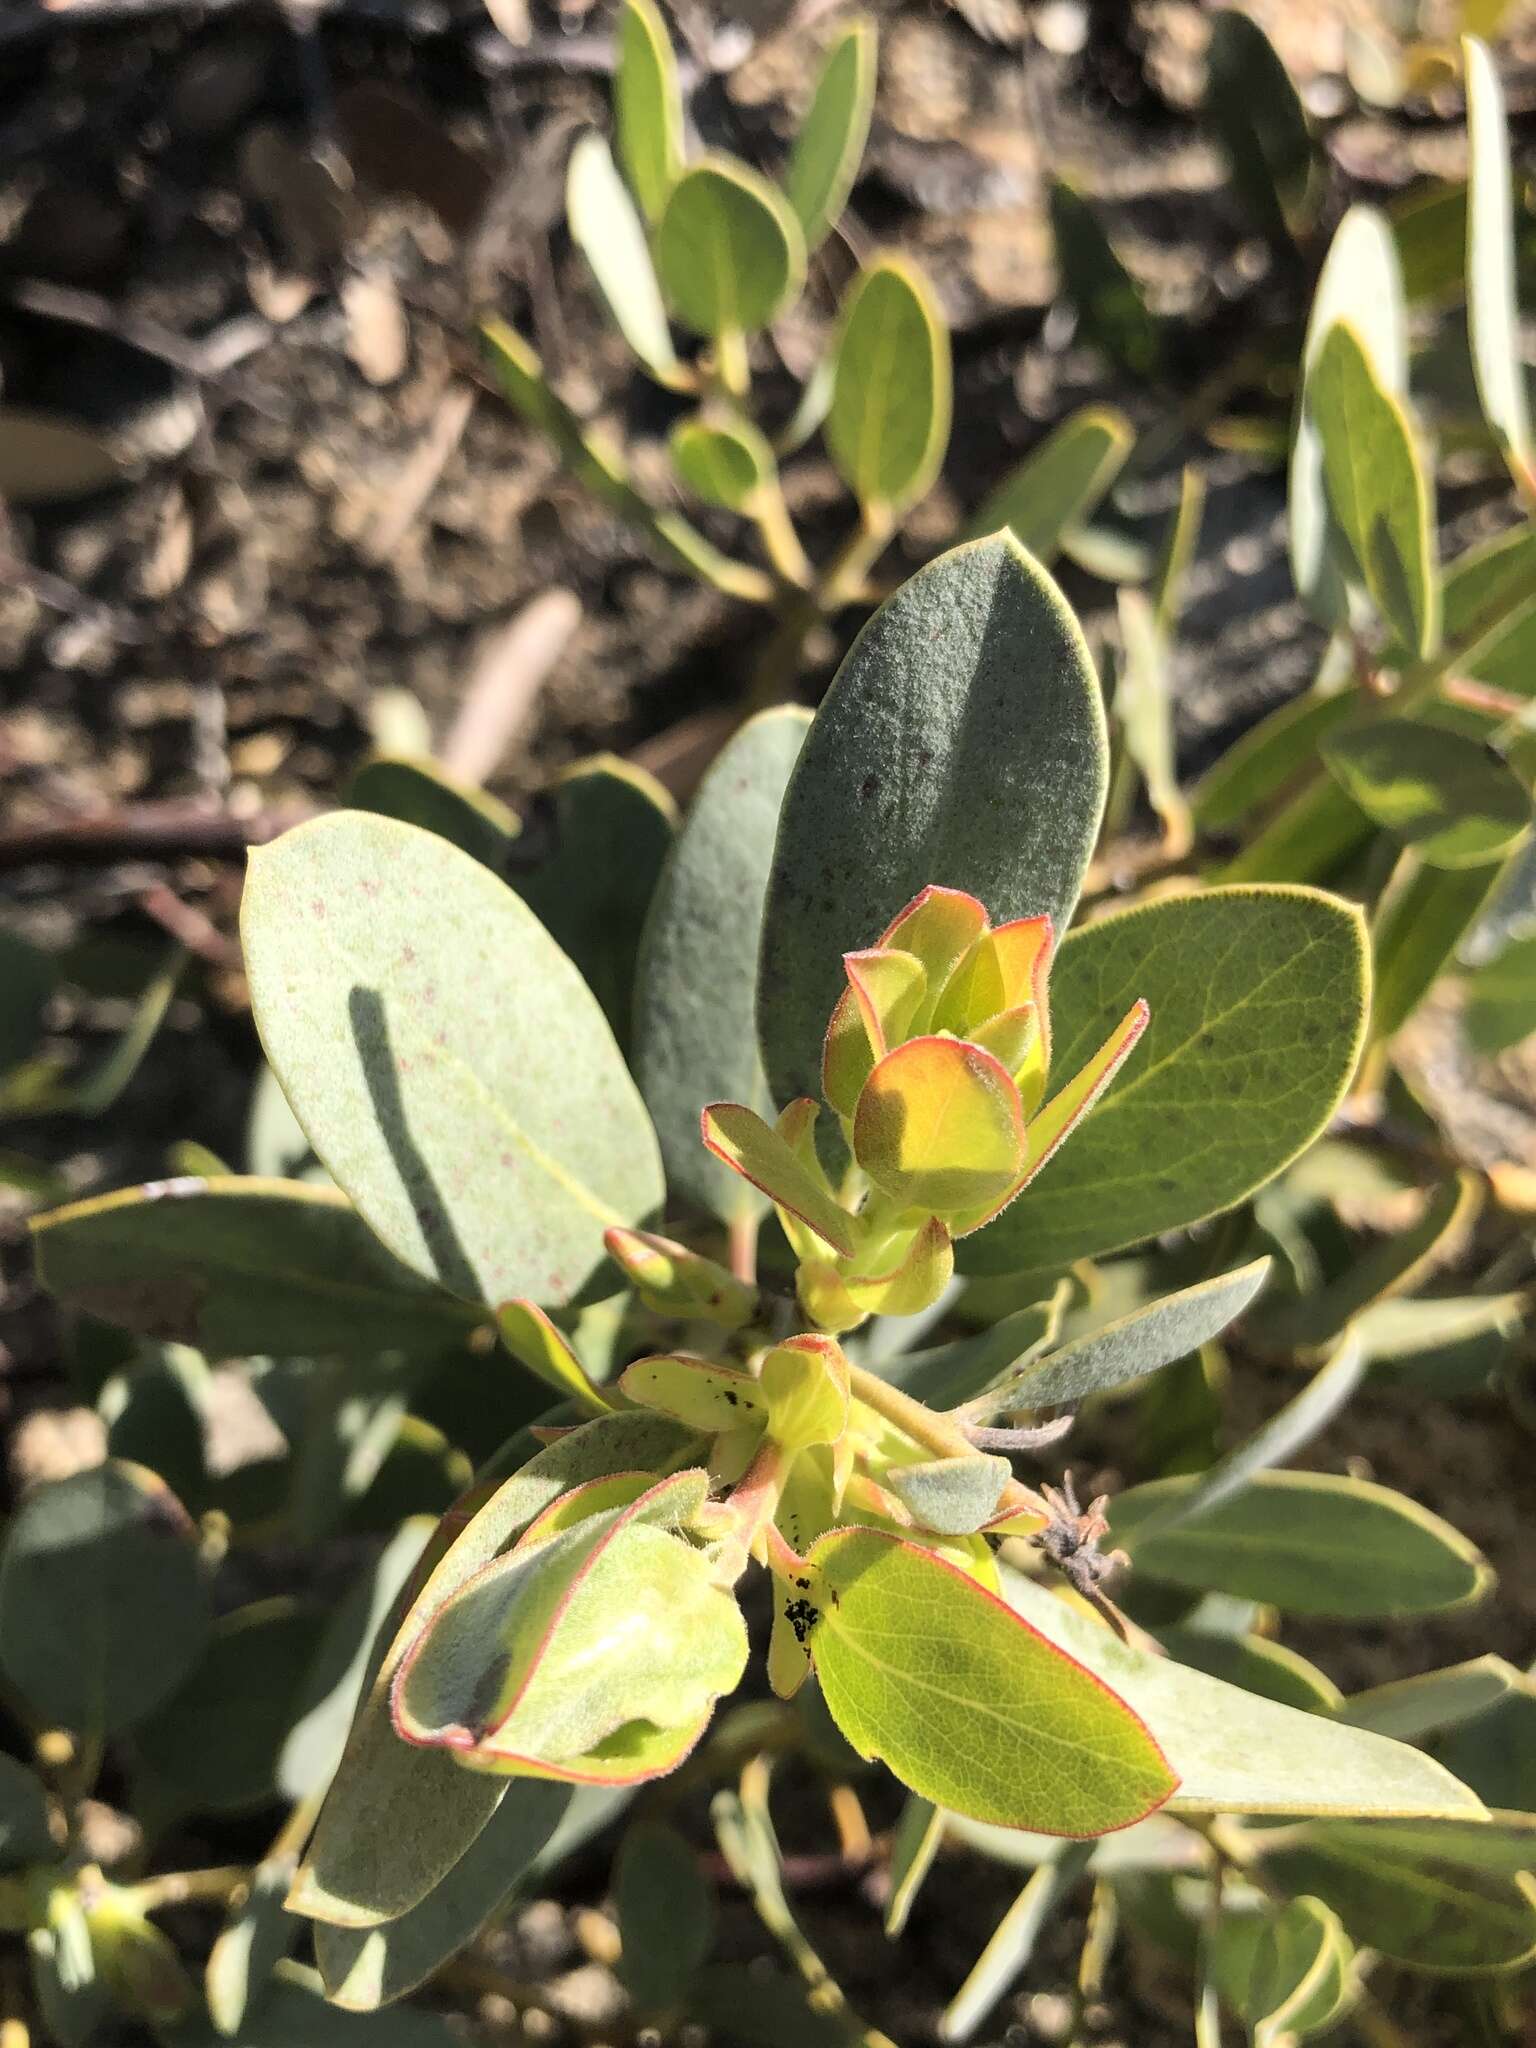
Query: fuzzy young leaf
x=455, y=1073
x=237, y=1266
x=1377, y=485
x=1308, y=1542
x=695, y=990
x=730, y=252
x=968, y=694
x=1059, y=483
x=966, y=1704
x=103, y=1600
x=762, y=1155
x=1449, y=797
x=1257, y=1000
x=611, y=235
x=952, y=1496
x=888, y=425
x=648, y=106
x=707, y=1397
x=939, y=1126
x=1493, y=314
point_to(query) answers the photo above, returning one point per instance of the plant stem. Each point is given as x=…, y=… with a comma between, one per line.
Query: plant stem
x=779, y=538
x=839, y=583
x=183, y=1887
x=743, y=1242
x=935, y=1433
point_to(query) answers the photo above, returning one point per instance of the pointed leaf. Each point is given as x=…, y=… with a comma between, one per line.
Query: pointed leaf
x=1261, y=125
x=675, y=1281
x=825, y=159
x=954, y=1496
x=756, y=1150
x=730, y=252
x=968, y=692
x=1255, y=1664
x=1109, y=303
x=1308, y=1542
x=1257, y=1000
x=939, y=1126
x=888, y=425
x=1493, y=313
x=1410, y=1708
x=1058, y=484
x=648, y=106
x=914, y=1282
x=453, y=1070
x=914, y=1844
x=695, y=991
x=969, y=1707
x=534, y=1342
x=1237, y=1753
x=1137, y=1344
x=1377, y=486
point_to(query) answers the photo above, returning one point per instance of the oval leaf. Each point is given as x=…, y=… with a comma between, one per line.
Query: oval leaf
x=968, y=1705
x=609, y=232
x=1493, y=313
x=1449, y=797
x=724, y=464
x=1308, y=1542
x=103, y=1601
x=1258, y=1009
x=730, y=252
x=448, y=1062
x=968, y=694
x=888, y=425
x=648, y=106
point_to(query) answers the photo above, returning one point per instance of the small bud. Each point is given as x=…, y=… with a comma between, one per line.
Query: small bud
x=675, y=1281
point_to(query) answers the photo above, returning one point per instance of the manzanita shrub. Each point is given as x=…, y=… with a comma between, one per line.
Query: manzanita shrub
x=752, y=1512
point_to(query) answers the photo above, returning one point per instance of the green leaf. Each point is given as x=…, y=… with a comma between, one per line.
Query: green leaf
x=825, y=159
x=367, y=1863
x=949, y=1375
x=924, y=1669
x=611, y=828
x=1501, y=999
x=1261, y=126
x=1413, y=1707
x=611, y=235
x=1133, y=1346
x=216, y=1743
x=1485, y=584
x=293, y=2013
x=1234, y=1752
x=1287, y=1972
x=419, y=793
x=1496, y=1753
x=696, y=984
x=1258, y=1007
x=1417, y=929
x=1361, y=282
x=1257, y=1665
x=647, y=106
x=255, y=1938
x=1269, y=755
x=764, y=1157
x=103, y=1601
x=1143, y=704
x=888, y=425
x=952, y=1496
x=914, y=1844
x=1493, y=313
x=28, y=976
x=454, y=1071
x=730, y=252
x=1308, y=1542
x=246, y=1266
x=724, y=462
x=1377, y=485
x=1109, y=303
x=24, y=1832
x=548, y=1658
x=364, y=1968
x=968, y=695
x=1012, y=1945
x=1451, y=798
x=666, y=1909
x=158, y=1414
x=1446, y=1898
x=1058, y=484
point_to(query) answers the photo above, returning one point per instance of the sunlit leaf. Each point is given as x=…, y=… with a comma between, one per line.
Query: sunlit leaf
x=1493, y=314
x=1059, y=483
x=1449, y=797
x=825, y=159
x=611, y=235
x=888, y=425
x=729, y=250
x=648, y=106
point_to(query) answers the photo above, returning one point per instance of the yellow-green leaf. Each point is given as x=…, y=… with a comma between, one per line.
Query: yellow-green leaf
x=648, y=106
x=888, y=425
x=825, y=159
x=730, y=252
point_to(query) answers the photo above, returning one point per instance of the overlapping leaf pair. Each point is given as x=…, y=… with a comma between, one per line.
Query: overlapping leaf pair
x=936, y=1063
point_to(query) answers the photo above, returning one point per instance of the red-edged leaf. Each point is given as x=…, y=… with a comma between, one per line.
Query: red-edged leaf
x=939, y=1126
x=761, y=1155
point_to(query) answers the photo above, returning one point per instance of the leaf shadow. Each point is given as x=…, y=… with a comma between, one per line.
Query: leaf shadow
x=445, y=1248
